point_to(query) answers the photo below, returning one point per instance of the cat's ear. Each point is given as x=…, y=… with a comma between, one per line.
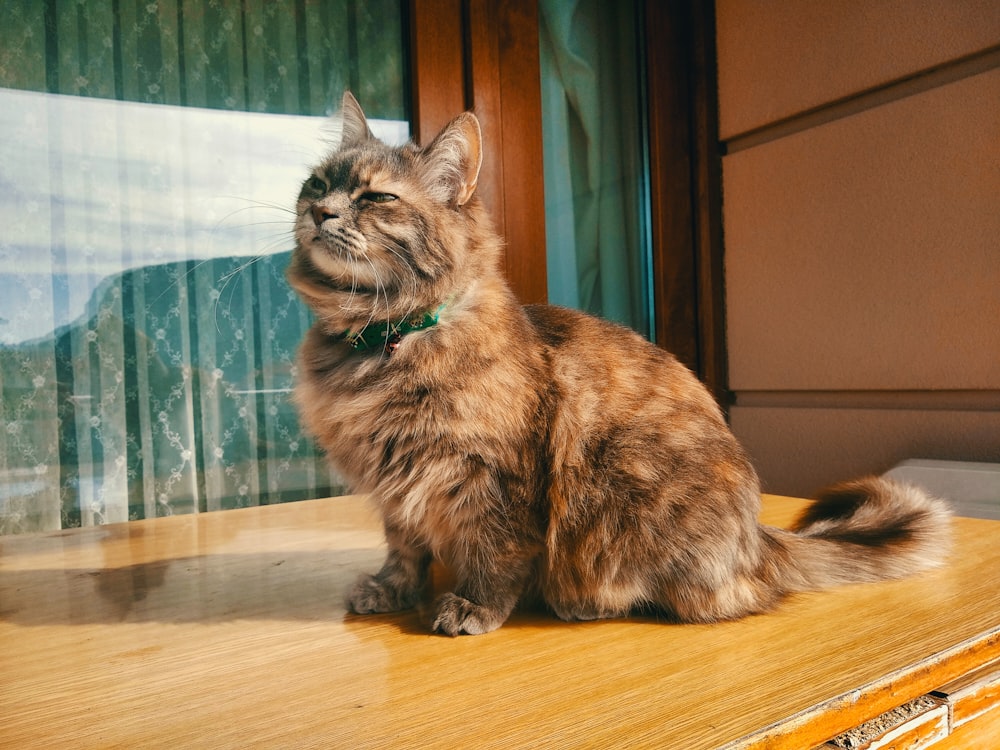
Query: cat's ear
x=355, y=124
x=453, y=160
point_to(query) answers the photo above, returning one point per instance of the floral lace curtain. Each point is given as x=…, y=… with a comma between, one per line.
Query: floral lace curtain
x=150, y=153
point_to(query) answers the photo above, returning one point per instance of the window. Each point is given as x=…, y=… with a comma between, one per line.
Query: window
x=148, y=154
x=596, y=193
x=632, y=171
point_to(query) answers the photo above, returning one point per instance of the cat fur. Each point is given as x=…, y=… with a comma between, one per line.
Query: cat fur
x=535, y=450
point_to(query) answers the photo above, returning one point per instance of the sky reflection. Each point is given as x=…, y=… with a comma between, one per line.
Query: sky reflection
x=93, y=187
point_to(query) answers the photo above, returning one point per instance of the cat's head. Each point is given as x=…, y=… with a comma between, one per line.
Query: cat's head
x=384, y=232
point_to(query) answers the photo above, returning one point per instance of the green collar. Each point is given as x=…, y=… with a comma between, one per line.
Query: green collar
x=385, y=337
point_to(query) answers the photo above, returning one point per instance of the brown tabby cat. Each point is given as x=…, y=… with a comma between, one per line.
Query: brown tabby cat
x=536, y=450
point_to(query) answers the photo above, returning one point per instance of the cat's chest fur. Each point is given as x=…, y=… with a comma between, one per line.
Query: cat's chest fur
x=419, y=427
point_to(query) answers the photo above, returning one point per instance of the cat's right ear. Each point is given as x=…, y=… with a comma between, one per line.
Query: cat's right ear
x=453, y=160
x=355, y=125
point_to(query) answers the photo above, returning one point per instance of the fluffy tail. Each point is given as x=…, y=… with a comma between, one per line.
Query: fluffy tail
x=869, y=529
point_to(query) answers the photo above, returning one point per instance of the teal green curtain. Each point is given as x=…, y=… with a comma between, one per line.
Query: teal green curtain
x=150, y=153
x=593, y=124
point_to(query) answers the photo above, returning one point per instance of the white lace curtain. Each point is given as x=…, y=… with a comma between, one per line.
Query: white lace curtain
x=148, y=153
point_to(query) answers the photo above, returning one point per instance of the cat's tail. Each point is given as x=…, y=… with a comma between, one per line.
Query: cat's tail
x=869, y=529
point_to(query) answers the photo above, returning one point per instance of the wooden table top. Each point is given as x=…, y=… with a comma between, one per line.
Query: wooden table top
x=228, y=630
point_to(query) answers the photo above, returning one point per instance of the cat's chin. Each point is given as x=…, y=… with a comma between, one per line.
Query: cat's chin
x=322, y=284
x=342, y=280
x=347, y=288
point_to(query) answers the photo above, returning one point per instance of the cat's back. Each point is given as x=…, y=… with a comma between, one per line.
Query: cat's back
x=582, y=342
x=606, y=369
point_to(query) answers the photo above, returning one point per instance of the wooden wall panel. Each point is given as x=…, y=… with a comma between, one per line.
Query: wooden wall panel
x=864, y=254
x=778, y=59
x=862, y=266
x=798, y=451
x=684, y=176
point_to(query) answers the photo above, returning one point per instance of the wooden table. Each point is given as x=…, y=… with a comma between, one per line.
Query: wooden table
x=228, y=630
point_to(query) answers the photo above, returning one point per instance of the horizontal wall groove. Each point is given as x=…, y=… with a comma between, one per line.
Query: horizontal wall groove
x=916, y=83
x=929, y=400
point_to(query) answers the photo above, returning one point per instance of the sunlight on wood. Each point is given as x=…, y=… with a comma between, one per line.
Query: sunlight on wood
x=229, y=629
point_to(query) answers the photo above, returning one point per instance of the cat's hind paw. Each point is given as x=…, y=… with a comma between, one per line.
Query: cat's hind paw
x=371, y=596
x=458, y=616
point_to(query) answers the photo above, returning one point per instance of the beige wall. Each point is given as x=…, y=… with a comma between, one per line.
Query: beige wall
x=862, y=232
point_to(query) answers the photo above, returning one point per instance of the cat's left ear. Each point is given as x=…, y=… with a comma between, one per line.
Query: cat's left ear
x=355, y=124
x=453, y=160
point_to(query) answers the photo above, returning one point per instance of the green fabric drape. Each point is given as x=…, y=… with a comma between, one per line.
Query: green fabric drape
x=594, y=151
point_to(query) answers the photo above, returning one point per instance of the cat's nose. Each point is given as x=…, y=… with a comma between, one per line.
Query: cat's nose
x=322, y=213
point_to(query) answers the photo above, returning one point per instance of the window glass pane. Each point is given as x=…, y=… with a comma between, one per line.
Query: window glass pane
x=150, y=156
x=596, y=194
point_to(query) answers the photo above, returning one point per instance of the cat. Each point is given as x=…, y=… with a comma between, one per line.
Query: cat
x=536, y=451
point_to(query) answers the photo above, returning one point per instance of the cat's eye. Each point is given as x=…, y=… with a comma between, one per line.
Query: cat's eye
x=378, y=197
x=316, y=184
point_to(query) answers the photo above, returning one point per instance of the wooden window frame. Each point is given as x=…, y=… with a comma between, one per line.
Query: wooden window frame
x=483, y=55
x=686, y=188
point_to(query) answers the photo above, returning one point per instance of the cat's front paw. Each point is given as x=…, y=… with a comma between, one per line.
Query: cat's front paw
x=371, y=596
x=458, y=616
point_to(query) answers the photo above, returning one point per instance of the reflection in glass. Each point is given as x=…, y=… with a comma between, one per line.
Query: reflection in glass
x=147, y=334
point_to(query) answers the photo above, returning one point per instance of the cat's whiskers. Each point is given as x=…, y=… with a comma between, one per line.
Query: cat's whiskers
x=272, y=243
x=413, y=280
x=254, y=203
x=348, y=271
x=378, y=288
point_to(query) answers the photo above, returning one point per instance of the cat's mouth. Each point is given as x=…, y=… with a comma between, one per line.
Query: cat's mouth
x=339, y=239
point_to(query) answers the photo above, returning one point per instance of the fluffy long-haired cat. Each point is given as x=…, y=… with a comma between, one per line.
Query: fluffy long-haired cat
x=536, y=450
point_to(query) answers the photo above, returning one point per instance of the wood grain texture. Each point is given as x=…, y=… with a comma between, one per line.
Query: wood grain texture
x=972, y=695
x=483, y=55
x=980, y=734
x=228, y=629
x=516, y=87
x=437, y=65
